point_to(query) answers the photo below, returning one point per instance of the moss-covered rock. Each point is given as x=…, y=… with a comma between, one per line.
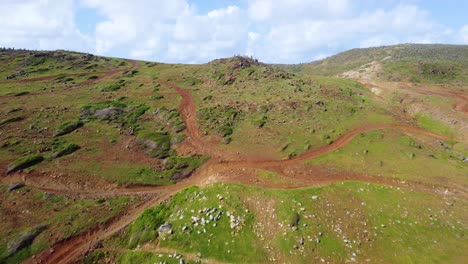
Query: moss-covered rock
x=11, y=120
x=68, y=127
x=68, y=149
x=24, y=163
x=156, y=144
x=24, y=240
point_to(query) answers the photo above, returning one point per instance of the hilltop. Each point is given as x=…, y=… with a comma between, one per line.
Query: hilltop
x=413, y=62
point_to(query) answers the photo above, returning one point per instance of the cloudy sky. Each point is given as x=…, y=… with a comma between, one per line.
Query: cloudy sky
x=197, y=31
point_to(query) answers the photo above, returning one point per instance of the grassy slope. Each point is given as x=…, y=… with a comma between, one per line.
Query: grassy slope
x=23, y=209
x=347, y=219
x=288, y=104
x=392, y=154
x=41, y=119
x=294, y=119
x=401, y=62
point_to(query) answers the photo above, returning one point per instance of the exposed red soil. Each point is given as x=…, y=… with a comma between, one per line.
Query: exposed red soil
x=223, y=167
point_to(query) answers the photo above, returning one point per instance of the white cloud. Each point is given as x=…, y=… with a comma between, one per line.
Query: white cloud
x=288, y=42
x=167, y=30
x=175, y=31
x=278, y=10
x=45, y=24
x=463, y=34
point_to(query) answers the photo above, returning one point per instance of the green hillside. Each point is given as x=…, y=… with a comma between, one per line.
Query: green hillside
x=359, y=158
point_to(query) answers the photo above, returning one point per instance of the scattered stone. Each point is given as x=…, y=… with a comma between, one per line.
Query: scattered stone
x=182, y=175
x=15, y=186
x=301, y=241
x=314, y=197
x=48, y=196
x=24, y=240
x=24, y=163
x=165, y=229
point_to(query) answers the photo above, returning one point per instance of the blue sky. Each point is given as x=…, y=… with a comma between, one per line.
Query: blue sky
x=196, y=31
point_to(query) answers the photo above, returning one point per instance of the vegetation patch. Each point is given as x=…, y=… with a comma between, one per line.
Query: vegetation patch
x=145, y=228
x=116, y=111
x=170, y=119
x=113, y=87
x=433, y=125
x=220, y=119
x=390, y=154
x=156, y=144
x=225, y=221
x=193, y=82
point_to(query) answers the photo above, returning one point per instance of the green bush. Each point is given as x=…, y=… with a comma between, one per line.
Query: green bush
x=113, y=87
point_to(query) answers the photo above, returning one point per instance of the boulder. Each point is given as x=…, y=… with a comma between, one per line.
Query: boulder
x=24, y=240
x=109, y=113
x=24, y=163
x=69, y=149
x=68, y=127
x=165, y=228
x=15, y=186
x=181, y=175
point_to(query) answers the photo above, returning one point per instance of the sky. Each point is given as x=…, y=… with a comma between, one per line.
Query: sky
x=197, y=31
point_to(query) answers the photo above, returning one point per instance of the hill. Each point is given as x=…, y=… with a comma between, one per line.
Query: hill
x=413, y=62
x=114, y=160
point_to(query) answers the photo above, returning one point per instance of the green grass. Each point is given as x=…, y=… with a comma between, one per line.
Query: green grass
x=113, y=87
x=390, y=154
x=338, y=222
x=148, y=257
x=63, y=217
x=144, y=174
x=404, y=62
x=433, y=125
x=216, y=245
x=158, y=144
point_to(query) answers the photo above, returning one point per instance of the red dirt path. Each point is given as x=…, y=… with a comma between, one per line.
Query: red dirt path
x=215, y=171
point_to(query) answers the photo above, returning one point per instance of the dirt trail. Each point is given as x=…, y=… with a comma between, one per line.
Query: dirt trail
x=460, y=98
x=70, y=250
x=220, y=170
x=188, y=113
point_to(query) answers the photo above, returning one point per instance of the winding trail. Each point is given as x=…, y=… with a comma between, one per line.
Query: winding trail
x=213, y=171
